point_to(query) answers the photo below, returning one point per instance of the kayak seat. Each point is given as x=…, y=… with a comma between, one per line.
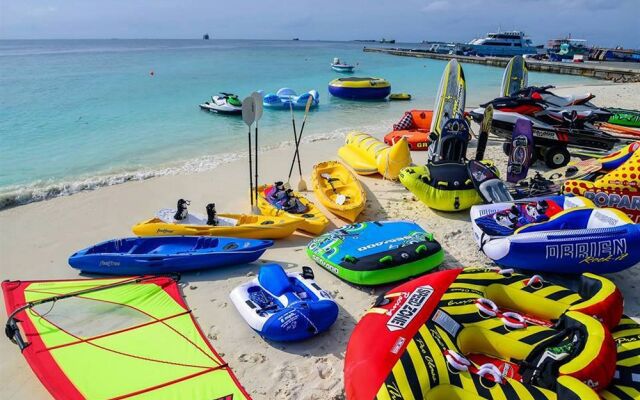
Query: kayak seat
x=206, y=242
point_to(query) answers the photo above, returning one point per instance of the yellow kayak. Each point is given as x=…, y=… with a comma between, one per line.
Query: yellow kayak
x=368, y=155
x=338, y=189
x=235, y=225
x=313, y=220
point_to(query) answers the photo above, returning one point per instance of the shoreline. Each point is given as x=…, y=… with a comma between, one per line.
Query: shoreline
x=20, y=195
x=37, y=238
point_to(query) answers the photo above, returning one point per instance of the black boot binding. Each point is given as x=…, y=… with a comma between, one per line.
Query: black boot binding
x=181, y=210
x=211, y=214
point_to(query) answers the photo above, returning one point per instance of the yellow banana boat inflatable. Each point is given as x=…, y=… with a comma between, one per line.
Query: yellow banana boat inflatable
x=338, y=190
x=312, y=219
x=233, y=225
x=368, y=155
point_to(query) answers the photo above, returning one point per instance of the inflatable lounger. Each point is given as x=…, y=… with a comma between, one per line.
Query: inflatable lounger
x=484, y=333
x=283, y=306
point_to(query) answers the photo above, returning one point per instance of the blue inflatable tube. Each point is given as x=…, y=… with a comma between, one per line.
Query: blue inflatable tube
x=166, y=254
x=360, y=93
x=356, y=88
x=283, y=306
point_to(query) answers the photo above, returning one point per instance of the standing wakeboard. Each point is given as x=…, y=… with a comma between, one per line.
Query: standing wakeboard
x=487, y=182
x=450, y=102
x=522, y=149
x=485, y=128
x=515, y=77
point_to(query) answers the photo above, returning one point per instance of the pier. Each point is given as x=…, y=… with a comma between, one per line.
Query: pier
x=597, y=70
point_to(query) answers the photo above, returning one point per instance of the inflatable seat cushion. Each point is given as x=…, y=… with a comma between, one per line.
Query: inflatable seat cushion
x=273, y=278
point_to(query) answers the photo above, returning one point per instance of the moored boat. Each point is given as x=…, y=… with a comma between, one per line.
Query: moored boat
x=340, y=66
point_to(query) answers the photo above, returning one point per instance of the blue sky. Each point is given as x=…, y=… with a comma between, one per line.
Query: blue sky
x=604, y=22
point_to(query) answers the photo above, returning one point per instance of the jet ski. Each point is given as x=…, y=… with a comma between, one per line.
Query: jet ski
x=537, y=98
x=554, y=130
x=226, y=103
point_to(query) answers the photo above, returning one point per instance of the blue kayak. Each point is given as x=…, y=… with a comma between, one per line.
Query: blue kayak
x=166, y=254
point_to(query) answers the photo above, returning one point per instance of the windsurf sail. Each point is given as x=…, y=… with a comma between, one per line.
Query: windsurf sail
x=119, y=338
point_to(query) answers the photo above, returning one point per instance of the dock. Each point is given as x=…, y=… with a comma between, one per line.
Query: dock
x=595, y=69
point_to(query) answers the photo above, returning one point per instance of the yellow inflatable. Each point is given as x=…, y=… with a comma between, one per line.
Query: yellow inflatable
x=313, y=220
x=338, y=189
x=368, y=155
x=444, y=186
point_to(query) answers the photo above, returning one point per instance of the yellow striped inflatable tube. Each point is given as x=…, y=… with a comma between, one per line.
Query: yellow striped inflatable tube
x=486, y=333
x=368, y=155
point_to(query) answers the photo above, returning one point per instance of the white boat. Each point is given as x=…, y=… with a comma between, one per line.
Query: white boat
x=340, y=66
x=503, y=44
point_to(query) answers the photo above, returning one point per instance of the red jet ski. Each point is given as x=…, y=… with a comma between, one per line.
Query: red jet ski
x=558, y=123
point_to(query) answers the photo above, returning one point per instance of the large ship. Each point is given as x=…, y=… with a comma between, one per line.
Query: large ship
x=502, y=44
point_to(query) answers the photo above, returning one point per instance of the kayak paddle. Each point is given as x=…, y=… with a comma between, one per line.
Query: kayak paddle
x=295, y=142
x=302, y=185
x=257, y=101
x=249, y=117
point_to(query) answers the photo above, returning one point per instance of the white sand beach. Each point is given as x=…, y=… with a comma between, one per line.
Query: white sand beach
x=36, y=240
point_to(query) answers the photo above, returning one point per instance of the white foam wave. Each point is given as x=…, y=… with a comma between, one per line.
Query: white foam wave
x=13, y=196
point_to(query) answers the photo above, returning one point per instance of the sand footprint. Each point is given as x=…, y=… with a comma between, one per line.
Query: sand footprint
x=255, y=358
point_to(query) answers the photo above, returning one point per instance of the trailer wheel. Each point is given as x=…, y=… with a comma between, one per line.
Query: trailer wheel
x=556, y=157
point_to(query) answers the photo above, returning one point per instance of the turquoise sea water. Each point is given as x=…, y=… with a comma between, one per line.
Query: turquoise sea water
x=80, y=114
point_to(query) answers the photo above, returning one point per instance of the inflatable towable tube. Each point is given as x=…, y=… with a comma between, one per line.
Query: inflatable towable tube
x=355, y=88
x=570, y=241
x=619, y=189
x=367, y=155
x=445, y=183
x=492, y=334
x=377, y=252
x=285, y=306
